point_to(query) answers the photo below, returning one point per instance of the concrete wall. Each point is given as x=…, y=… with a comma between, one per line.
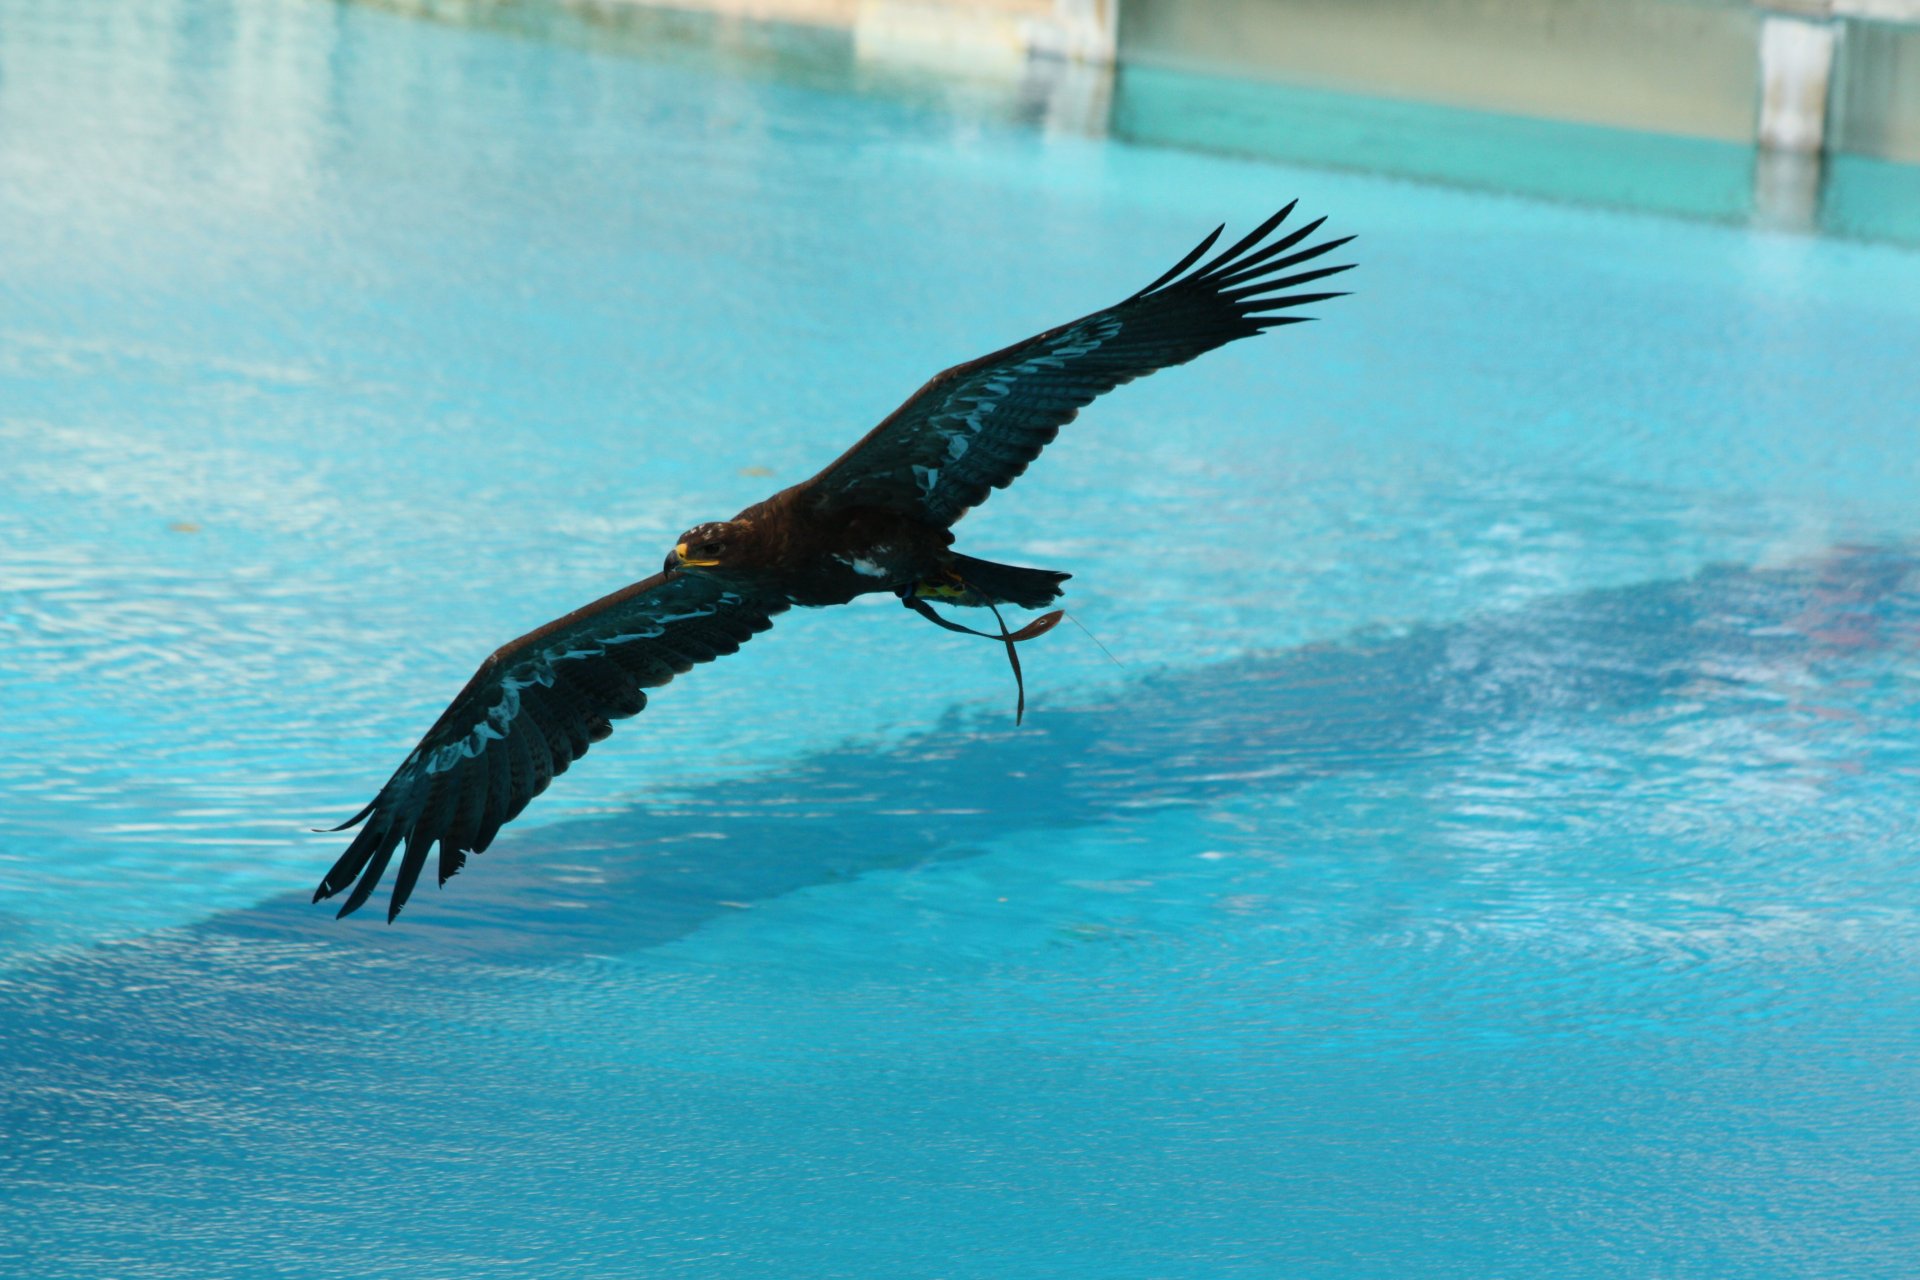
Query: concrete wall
x=1791, y=74
x=1875, y=108
x=1670, y=66
x=1650, y=104
x=1724, y=69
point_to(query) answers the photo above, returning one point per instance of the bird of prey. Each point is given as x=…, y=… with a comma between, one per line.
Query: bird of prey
x=879, y=518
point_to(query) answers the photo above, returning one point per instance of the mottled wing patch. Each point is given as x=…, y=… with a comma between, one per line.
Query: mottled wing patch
x=531, y=710
x=976, y=427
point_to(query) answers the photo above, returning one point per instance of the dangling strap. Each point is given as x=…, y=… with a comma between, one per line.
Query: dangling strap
x=1038, y=627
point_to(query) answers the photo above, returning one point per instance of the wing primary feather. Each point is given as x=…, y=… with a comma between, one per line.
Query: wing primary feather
x=348, y=865
x=540, y=749
x=526, y=774
x=382, y=851
x=1245, y=243
x=1184, y=263
x=1264, y=267
x=452, y=858
x=1266, y=252
x=473, y=799
x=575, y=709
x=428, y=828
x=431, y=824
x=411, y=861
x=499, y=795
x=337, y=874
x=469, y=805
x=354, y=821
x=1292, y=300
x=1259, y=287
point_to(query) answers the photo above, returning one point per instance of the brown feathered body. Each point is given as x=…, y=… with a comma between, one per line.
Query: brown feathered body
x=822, y=558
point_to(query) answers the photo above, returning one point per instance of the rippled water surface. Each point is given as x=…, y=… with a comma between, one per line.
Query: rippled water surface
x=1495, y=854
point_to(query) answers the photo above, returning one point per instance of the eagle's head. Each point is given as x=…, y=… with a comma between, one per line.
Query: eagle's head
x=707, y=545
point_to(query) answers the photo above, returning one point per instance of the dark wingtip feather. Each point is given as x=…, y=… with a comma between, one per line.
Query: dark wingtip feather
x=354, y=821
x=1247, y=242
x=1272, y=270
x=425, y=832
x=1250, y=294
x=1296, y=300
x=1192, y=257
x=1267, y=259
x=348, y=865
x=375, y=857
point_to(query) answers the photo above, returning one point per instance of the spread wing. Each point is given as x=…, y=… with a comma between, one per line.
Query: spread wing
x=529, y=712
x=975, y=427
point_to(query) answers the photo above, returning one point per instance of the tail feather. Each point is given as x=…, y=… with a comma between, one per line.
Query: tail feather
x=1000, y=583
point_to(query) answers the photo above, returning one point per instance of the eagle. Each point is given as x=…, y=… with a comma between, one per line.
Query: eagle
x=878, y=519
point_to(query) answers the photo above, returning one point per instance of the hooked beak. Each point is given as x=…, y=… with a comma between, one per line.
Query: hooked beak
x=679, y=557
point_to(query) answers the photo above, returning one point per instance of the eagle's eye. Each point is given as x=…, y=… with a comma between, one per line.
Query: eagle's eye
x=700, y=547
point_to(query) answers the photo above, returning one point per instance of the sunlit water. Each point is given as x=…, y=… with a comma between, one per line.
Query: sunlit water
x=1495, y=856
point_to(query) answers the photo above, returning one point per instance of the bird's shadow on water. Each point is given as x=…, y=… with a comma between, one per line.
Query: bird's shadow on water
x=1261, y=723
x=240, y=1020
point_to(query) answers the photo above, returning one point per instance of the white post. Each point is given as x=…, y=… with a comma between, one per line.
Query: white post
x=1077, y=30
x=1796, y=66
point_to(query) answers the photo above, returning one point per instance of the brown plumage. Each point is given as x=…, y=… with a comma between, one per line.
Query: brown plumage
x=877, y=519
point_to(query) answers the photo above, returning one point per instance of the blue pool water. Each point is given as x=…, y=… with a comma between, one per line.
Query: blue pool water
x=1495, y=854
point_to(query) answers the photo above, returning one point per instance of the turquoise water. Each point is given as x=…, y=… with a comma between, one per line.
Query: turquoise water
x=1494, y=856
